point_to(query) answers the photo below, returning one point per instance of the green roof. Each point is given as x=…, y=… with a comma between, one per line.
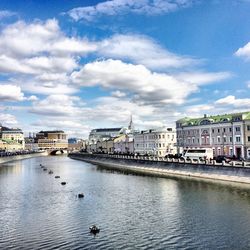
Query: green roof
x=213, y=118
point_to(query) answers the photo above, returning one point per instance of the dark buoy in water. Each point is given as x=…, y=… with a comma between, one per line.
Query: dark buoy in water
x=57, y=176
x=94, y=229
x=81, y=195
x=50, y=172
x=63, y=183
x=45, y=169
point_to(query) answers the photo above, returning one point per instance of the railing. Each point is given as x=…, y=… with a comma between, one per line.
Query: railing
x=174, y=160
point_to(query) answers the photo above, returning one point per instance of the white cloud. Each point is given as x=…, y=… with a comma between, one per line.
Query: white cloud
x=203, y=77
x=118, y=93
x=248, y=84
x=26, y=40
x=10, y=92
x=8, y=120
x=117, y=7
x=6, y=13
x=232, y=101
x=56, y=105
x=142, y=50
x=244, y=51
x=148, y=87
x=32, y=98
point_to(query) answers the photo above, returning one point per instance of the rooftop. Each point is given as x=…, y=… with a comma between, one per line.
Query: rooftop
x=189, y=121
x=106, y=130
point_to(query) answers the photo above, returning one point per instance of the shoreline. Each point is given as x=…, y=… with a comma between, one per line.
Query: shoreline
x=7, y=159
x=225, y=174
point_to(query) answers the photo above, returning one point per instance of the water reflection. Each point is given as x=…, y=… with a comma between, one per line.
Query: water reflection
x=133, y=212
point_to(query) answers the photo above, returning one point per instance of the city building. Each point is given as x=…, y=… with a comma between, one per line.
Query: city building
x=102, y=134
x=56, y=139
x=12, y=139
x=227, y=134
x=158, y=142
x=124, y=144
x=76, y=144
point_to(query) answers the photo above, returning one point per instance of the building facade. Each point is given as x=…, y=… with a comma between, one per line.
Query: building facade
x=226, y=134
x=124, y=144
x=12, y=139
x=102, y=134
x=52, y=140
x=157, y=142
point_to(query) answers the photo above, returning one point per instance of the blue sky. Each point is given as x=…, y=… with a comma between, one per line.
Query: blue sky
x=78, y=65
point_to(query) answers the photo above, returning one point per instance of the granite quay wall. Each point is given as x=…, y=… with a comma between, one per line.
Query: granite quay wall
x=168, y=168
x=21, y=157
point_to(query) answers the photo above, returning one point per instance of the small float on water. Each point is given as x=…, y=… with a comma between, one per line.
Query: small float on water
x=94, y=229
x=81, y=195
x=63, y=183
x=57, y=176
x=45, y=169
x=50, y=172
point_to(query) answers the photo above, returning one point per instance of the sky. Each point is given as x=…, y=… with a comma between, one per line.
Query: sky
x=78, y=65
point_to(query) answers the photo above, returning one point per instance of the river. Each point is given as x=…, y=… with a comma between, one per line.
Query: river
x=133, y=212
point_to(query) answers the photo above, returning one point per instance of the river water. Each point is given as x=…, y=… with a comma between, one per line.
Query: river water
x=133, y=212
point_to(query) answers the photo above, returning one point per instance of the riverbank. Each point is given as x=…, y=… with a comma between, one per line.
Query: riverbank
x=158, y=168
x=21, y=157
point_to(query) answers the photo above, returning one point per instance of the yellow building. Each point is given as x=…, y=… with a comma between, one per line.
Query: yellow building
x=12, y=139
x=52, y=139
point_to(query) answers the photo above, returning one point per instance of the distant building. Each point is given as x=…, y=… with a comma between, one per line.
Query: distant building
x=30, y=144
x=56, y=139
x=159, y=142
x=12, y=139
x=76, y=144
x=101, y=134
x=227, y=134
x=124, y=144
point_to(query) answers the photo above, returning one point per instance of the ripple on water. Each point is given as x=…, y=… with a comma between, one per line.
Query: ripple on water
x=133, y=212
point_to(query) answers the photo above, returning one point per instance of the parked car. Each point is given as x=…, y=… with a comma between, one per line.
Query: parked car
x=220, y=158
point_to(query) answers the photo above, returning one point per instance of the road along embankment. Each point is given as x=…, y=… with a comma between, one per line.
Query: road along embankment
x=21, y=157
x=167, y=169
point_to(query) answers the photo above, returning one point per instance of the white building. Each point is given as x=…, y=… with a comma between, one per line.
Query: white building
x=158, y=142
x=124, y=144
x=101, y=134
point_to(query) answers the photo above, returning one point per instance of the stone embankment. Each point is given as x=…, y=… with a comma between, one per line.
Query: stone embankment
x=21, y=157
x=170, y=167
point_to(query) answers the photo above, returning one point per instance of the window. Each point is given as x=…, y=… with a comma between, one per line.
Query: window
x=224, y=130
x=160, y=145
x=230, y=129
x=218, y=139
x=225, y=139
x=159, y=136
x=218, y=130
x=231, y=151
x=163, y=145
x=212, y=130
x=248, y=127
x=237, y=129
x=237, y=138
x=248, y=138
x=230, y=139
x=163, y=136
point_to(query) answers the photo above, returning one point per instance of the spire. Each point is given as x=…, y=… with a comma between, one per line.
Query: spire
x=131, y=125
